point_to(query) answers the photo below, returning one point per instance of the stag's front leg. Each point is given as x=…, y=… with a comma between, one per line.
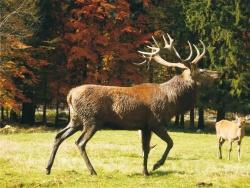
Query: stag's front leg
x=87, y=134
x=161, y=132
x=146, y=137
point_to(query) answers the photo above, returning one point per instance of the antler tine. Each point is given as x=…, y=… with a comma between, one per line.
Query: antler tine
x=152, y=47
x=199, y=56
x=145, y=61
x=188, y=58
x=170, y=44
x=154, y=54
x=154, y=51
x=159, y=60
x=156, y=43
x=177, y=54
x=191, y=52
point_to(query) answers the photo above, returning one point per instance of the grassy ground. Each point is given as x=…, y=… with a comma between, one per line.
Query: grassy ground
x=116, y=156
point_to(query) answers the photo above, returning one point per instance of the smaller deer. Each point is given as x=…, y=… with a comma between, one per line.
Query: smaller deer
x=231, y=131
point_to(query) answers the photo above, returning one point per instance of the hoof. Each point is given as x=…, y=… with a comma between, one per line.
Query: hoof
x=156, y=166
x=145, y=173
x=93, y=173
x=47, y=171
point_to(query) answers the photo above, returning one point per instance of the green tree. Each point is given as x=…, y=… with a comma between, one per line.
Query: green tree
x=224, y=27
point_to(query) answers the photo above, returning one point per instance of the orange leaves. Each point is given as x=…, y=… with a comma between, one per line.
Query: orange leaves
x=129, y=29
x=74, y=25
x=16, y=70
x=9, y=94
x=101, y=35
x=106, y=60
x=102, y=40
x=15, y=43
x=122, y=16
x=32, y=62
x=78, y=53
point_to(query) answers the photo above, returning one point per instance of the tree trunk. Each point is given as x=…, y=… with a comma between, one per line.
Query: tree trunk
x=68, y=115
x=2, y=113
x=13, y=116
x=57, y=106
x=57, y=114
x=191, y=122
x=201, y=123
x=7, y=114
x=182, y=123
x=2, y=117
x=44, y=120
x=177, y=120
x=220, y=114
x=28, y=108
x=28, y=113
x=45, y=88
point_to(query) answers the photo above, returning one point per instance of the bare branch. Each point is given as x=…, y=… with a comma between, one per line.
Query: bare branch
x=12, y=13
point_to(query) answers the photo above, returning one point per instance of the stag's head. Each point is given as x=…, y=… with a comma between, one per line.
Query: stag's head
x=189, y=64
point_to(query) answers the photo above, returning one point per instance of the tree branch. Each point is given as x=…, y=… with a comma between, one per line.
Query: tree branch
x=12, y=13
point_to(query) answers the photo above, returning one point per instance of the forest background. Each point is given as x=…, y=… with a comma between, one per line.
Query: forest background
x=49, y=46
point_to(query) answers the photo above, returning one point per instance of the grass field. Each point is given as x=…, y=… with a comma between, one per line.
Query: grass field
x=116, y=156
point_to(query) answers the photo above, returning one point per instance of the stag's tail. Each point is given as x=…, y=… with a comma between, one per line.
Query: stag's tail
x=69, y=98
x=69, y=101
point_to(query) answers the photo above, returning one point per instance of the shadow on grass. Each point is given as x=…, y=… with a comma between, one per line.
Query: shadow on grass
x=180, y=159
x=165, y=173
x=158, y=173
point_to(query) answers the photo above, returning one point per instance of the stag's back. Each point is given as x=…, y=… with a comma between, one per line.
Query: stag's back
x=114, y=107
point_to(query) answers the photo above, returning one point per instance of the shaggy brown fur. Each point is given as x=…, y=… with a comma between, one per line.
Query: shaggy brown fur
x=145, y=107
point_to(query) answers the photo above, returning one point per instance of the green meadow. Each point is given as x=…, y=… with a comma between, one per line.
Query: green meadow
x=116, y=156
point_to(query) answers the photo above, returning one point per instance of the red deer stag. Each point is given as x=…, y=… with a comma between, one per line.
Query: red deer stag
x=144, y=107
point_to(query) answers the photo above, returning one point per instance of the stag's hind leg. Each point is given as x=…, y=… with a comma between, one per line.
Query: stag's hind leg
x=161, y=132
x=87, y=134
x=60, y=137
x=220, y=143
x=145, y=136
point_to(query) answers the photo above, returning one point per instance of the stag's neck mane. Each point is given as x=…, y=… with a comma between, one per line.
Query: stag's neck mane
x=180, y=90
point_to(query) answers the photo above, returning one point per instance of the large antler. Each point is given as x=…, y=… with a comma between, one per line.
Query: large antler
x=155, y=49
x=199, y=56
x=154, y=54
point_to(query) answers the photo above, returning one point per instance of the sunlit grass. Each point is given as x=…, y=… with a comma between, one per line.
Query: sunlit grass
x=116, y=156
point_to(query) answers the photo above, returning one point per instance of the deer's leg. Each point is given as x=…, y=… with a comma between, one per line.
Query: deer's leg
x=88, y=132
x=239, y=143
x=230, y=149
x=60, y=137
x=220, y=143
x=145, y=136
x=161, y=132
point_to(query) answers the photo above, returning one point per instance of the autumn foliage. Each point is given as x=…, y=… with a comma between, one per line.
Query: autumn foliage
x=102, y=38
